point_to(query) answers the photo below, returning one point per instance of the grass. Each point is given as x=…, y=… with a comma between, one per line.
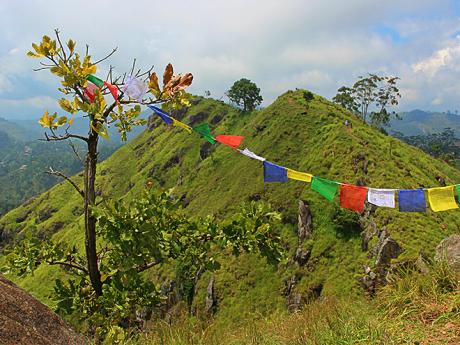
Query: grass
x=304, y=135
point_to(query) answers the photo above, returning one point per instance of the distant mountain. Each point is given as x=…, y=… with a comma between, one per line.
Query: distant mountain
x=24, y=159
x=417, y=122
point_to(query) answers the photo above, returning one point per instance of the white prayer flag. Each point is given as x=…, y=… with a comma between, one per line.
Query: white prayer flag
x=381, y=197
x=251, y=154
x=135, y=88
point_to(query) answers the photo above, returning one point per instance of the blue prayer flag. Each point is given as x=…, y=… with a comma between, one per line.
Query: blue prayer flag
x=412, y=200
x=274, y=173
x=164, y=116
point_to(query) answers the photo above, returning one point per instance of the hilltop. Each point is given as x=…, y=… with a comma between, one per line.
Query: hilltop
x=295, y=131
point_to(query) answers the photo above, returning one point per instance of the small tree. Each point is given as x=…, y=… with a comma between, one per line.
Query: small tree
x=107, y=285
x=245, y=94
x=75, y=71
x=370, y=97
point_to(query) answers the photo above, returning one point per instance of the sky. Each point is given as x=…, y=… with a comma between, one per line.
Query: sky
x=318, y=45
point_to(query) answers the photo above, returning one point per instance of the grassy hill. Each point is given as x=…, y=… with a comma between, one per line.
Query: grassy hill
x=302, y=134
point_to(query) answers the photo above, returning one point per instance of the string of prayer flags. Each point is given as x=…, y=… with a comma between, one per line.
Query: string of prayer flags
x=100, y=83
x=274, y=173
x=324, y=187
x=353, y=197
x=182, y=125
x=381, y=197
x=165, y=117
x=442, y=198
x=135, y=88
x=230, y=140
x=205, y=132
x=411, y=200
x=251, y=154
x=299, y=176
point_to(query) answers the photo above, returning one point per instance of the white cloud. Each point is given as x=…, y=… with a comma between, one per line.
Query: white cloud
x=316, y=44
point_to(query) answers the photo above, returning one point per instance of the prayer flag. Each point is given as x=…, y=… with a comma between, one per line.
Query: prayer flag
x=164, y=116
x=90, y=92
x=442, y=198
x=457, y=189
x=251, y=154
x=205, y=131
x=324, y=187
x=412, y=200
x=135, y=88
x=297, y=175
x=95, y=80
x=274, y=173
x=182, y=125
x=353, y=197
x=230, y=140
x=381, y=197
x=113, y=90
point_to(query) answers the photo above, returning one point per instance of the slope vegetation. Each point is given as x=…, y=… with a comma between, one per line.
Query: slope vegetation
x=297, y=132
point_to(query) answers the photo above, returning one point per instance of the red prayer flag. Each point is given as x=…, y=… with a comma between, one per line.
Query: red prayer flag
x=113, y=90
x=353, y=197
x=230, y=140
x=90, y=92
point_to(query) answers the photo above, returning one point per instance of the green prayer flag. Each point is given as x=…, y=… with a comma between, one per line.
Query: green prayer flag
x=95, y=80
x=324, y=187
x=457, y=189
x=205, y=131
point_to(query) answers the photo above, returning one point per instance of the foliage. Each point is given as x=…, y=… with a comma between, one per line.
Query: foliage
x=441, y=145
x=245, y=93
x=379, y=92
x=150, y=231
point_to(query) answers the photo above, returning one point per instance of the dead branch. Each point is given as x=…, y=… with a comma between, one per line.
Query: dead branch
x=68, y=179
x=68, y=264
x=105, y=58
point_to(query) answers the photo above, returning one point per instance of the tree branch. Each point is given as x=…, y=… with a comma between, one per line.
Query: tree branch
x=68, y=179
x=145, y=267
x=74, y=149
x=105, y=58
x=68, y=264
x=63, y=137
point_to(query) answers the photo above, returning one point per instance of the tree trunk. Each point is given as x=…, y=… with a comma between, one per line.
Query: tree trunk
x=90, y=220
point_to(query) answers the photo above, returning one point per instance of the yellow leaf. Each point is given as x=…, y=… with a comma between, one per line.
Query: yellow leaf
x=153, y=83
x=33, y=55
x=61, y=121
x=66, y=105
x=71, y=45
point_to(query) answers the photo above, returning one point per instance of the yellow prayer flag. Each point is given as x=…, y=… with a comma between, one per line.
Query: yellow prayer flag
x=182, y=125
x=442, y=198
x=297, y=175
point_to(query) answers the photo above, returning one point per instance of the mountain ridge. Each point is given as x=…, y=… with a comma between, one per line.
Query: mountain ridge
x=301, y=134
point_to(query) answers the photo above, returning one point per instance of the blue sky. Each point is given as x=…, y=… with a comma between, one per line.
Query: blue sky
x=319, y=45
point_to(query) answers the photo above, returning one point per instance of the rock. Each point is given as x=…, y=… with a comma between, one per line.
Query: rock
x=46, y=213
x=302, y=255
x=305, y=227
x=449, y=249
x=198, y=118
x=210, y=302
x=367, y=235
x=24, y=320
x=389, y=249
x=295, y=302
x=205, y=150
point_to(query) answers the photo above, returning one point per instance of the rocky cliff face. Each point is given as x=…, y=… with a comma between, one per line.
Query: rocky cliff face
x=24, y=320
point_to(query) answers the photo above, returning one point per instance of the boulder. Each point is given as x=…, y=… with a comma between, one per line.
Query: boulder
x=389, y=249
x=305, y=227
x=449, y=249
x=25, y=320
x=210, y=302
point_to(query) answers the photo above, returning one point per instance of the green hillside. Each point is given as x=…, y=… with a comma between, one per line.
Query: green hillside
x=302, y=134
